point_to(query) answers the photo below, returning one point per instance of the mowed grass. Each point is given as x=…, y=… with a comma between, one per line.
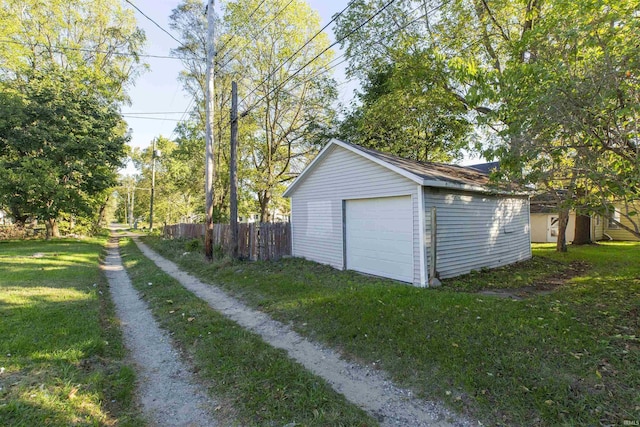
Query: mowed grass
x=61, y=351
x=253, y=383
x=571, y=357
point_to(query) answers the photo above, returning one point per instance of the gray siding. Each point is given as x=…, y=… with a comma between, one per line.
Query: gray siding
x=476, y=230
x=316, y=204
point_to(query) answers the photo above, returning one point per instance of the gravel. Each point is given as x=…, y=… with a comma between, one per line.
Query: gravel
x=167, y=391
x=369, y=389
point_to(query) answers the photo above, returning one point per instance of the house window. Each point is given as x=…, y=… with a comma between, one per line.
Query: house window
x=615, y=216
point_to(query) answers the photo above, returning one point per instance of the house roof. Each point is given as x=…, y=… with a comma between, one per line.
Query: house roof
x=486, y=167
x=546, y=202
x=437, y=175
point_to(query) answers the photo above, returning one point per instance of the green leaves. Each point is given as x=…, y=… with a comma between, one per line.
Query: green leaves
x=56, y=157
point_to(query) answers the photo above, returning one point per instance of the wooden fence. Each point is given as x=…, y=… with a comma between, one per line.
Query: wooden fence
x=265, y=241
x=183, y=231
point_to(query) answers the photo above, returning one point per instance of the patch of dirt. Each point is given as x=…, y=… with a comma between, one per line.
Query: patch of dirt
x=544, y=286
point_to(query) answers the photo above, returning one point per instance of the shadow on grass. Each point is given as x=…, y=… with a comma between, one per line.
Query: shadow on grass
x=59, y=343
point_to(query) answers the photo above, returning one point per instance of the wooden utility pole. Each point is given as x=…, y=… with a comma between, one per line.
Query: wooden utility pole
x=209, y=160
x=233, y=171
x=153, y=182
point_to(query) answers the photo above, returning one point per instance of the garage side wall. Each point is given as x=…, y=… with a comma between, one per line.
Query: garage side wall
x=316, y=204
x=476, y=230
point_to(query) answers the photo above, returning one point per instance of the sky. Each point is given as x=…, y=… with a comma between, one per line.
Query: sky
x=158, y=89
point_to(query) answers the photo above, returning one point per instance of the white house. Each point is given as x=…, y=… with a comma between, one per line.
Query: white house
x=359, y=209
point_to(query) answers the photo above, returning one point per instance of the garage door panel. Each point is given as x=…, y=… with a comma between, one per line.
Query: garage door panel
x=379, y=236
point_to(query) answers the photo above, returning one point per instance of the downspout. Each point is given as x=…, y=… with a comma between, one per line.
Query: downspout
x=433, y=256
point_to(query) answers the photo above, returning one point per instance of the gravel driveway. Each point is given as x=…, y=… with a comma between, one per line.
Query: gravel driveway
x=167, y=391
x=362, y=386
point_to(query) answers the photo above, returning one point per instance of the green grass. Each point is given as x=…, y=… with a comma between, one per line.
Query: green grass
x=60, y=345
x=254, y=383
x=518, y=275
x=571, y=357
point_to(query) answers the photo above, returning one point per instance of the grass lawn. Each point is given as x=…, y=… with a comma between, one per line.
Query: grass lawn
x=61, y=352
x=253, y=383
x=567, y=358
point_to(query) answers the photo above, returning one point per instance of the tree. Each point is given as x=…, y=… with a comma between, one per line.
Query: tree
x=288, y=107
x=96, y=40
x=403, y=110
x=65, y=67
x=550, y=85
x=583, y=111
x=61, y=145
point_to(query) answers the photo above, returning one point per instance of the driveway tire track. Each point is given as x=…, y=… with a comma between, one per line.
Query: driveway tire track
x=369, y=389
x=167, y=391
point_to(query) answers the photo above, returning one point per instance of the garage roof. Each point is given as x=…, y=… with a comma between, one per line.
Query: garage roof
x=439, y=175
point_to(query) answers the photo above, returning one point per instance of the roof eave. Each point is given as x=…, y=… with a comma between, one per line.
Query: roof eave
x=472, y=188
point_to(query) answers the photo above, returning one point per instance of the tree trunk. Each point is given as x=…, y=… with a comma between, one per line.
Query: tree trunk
x=583, y=230
x=563, y=220
x=52, y=228
x=101, y=214
x=264, y=206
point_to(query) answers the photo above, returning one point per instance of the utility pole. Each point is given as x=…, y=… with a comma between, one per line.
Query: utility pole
x=153, y=182
x=209, y=161
x=233, y=171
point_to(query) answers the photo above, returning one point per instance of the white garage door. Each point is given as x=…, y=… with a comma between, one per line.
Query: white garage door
x=379, y=237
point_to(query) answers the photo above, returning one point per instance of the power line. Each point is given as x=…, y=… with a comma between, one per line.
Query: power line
x=154, y=113
x=155, y=23
x=362, y=24
x=161, y=28
x=61, y=49
x=148, y=118
x=186, y=111
x=279, y=67
x=378, y=41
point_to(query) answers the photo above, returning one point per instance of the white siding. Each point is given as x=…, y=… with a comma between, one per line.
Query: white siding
x=476, y=230
x=540, y=228
x=316, y=204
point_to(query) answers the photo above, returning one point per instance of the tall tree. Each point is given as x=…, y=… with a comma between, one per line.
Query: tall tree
x=291, y=92
x=66, y=67
x=531, y=75
x=288, y=106
x=96, y=40
x=61, y=146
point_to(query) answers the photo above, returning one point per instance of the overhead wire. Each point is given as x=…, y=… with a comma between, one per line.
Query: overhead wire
x=61, y=49
x=375, y=42
x=319, y=72
x=155, y=23
x=160, y=27
x=294, y=54
x=248, y=19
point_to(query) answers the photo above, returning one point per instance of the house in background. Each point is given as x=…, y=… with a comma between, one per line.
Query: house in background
x=544, y=223
x=5, y=219
x=360, y=209
x=613, y=231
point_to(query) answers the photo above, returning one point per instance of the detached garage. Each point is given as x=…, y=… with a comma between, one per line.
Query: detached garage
x=359, y=209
